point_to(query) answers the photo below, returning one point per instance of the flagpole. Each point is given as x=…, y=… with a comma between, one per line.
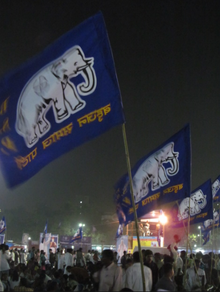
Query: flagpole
x=133, y=204
x=188, y=243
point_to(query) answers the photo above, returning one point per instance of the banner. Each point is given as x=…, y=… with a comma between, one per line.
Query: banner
x=199, y=205
x=56, y=101
x=77, y=235
x=121, y=246
x=159, y=178
x=2, y=225
x=54, y=241
x=216, y=190
x=45, y=240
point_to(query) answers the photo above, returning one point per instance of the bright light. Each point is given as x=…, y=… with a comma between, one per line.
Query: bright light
x=163, y=219
x=81, y=225
x=72, y=246
x=81, y=202
x=199, y=227
x=198, y=234
x=195, y=245
x=29, y=238
x=98, y=247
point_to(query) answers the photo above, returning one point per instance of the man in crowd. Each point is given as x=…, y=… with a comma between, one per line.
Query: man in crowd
x=166, y=282
x=110, y=277
x=133, y=277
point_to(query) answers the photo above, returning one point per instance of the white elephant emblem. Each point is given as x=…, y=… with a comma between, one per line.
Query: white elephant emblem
x=215, y=187
x=208, y=223
x=192, y=205
x=51, y=87
x=152, y=170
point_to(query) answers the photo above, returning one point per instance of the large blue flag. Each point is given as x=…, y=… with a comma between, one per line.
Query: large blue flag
x=58, y=100
x=198, y=205
x=77, y=235
x=159, y=178
x=2, y=225
x=216, y=190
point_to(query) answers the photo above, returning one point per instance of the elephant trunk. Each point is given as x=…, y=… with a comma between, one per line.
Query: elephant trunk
x=90, y=81
x=174, y=166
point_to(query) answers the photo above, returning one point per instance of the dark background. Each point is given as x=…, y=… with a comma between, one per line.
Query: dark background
x=167, y=61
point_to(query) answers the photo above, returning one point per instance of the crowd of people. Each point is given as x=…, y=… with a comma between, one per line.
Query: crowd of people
x=68, y=270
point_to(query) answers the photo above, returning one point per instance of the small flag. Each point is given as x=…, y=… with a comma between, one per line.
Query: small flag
x=206, y=237
x=77, y=235
x=45, y=232
x=2, y=225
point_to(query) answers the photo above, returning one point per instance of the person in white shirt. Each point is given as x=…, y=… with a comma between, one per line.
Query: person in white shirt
x=68, y=259
x=60, y=259
x=4, y=257
x=133, y=277
x=195, y=278
x=110, y=277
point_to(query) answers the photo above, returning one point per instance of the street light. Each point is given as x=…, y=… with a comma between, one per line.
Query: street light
x=81, y=225
x=200, y=239
x=163, y=220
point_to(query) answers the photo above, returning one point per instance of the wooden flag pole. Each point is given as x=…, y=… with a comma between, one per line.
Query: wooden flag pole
x=188, y=242
x=133, y=204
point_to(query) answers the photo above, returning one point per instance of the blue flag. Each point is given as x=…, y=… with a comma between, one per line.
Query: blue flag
x=198, y=205
x=159, y=178
x=77, y=235
x=119, y=230
x=44, y=233
x=206, y=237
x=2, y=225
x=58, y=100
x=216, y=190
x=211, y=223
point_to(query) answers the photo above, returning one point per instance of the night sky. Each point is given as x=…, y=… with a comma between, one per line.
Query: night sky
x=167, y=61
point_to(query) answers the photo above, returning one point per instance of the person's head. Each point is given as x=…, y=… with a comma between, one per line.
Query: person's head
x=4, y=276
x=125, y=252
x=148, y=256
x=157, y=257
x=136, y=257
x=168, y=270
x=168, y=259
x=197, y=262
x=107, y=257
x=183, y=254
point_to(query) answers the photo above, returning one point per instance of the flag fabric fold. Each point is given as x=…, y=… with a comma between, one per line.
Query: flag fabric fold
x=58, y=100
x=2, y=225
x=161, y=177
